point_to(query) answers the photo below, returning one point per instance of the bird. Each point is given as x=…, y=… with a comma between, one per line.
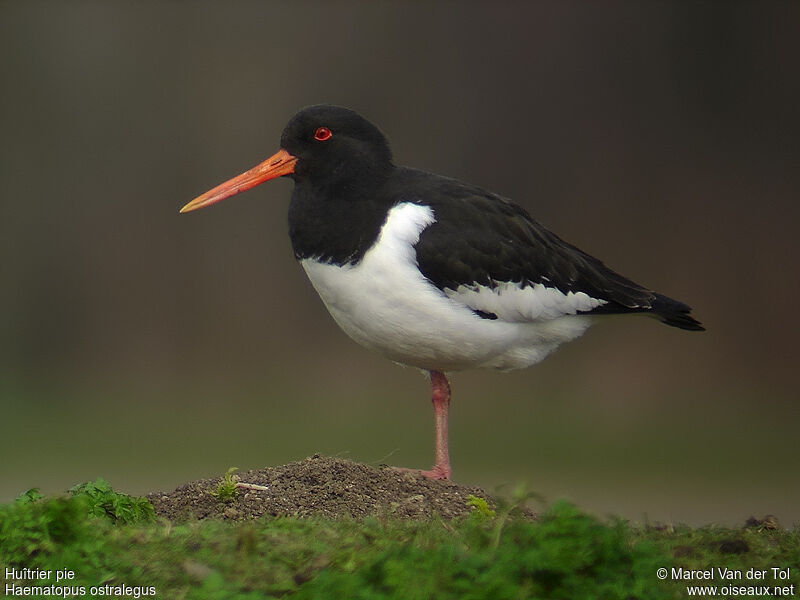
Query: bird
x=430, y=271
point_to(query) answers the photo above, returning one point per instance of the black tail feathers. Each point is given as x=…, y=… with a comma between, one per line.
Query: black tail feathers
x=675, y=313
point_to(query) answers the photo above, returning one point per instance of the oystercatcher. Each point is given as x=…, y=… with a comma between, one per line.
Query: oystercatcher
x=430, y=271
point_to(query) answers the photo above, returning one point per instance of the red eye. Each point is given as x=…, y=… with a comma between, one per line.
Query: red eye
x=322, y=134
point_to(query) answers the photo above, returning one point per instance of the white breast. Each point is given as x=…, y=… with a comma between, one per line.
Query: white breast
x=387, y=305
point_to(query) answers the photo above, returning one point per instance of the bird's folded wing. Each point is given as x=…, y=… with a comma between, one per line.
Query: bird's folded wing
x=490, y=255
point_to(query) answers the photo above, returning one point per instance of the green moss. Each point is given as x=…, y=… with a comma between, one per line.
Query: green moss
x=226, y=490
x=480, y=505
x=564, y=553
x=105, y=502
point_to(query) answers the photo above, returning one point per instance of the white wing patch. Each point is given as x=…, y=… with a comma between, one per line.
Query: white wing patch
x=517, y=304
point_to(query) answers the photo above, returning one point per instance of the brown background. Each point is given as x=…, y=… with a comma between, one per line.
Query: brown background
x=151, y=348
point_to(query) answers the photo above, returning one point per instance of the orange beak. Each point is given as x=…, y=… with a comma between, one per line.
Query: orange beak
x=279, y=164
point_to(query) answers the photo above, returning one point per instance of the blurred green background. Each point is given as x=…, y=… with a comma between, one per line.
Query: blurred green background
x=153, y=348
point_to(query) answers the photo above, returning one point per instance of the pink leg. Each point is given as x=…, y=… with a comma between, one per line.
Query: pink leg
x=440, y=396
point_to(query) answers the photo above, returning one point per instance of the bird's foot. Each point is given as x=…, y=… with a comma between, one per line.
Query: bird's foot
x=437, y=472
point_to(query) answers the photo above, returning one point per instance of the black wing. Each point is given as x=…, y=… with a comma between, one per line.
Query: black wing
x=480, y=238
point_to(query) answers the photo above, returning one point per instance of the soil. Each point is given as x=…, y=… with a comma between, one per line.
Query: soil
x=319, y=486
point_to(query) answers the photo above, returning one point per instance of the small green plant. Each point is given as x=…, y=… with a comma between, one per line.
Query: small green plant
x=32, y=495
x=103, y=501
x=481, y=506
x=226, y=490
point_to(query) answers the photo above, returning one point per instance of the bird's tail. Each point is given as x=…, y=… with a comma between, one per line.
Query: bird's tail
x=675, y=313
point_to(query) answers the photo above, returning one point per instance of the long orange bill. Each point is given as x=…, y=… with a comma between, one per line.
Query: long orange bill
x=280, y=163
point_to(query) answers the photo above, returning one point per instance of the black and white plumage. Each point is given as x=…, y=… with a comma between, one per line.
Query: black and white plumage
x=431, y=271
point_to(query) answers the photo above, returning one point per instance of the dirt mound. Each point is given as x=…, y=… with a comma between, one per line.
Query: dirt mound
x=319, y=486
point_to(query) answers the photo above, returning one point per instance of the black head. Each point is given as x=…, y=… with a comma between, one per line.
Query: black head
x=335, y=145
x=323, y=147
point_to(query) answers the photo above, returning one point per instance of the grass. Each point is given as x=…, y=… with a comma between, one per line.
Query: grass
x=112, y=540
